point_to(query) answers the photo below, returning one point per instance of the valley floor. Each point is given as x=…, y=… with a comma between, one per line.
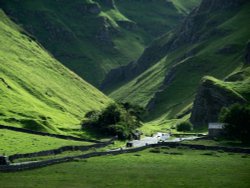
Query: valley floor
x=155, y=167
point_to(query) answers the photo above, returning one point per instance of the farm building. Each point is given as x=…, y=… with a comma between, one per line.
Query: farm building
x=215, y=129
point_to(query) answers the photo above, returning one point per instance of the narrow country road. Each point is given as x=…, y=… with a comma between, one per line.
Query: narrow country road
x=158, y=137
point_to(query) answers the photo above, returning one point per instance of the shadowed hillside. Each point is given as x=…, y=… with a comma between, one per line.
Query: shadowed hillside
x=210, y=41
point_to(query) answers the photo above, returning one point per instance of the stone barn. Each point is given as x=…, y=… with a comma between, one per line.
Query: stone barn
x=215, y=129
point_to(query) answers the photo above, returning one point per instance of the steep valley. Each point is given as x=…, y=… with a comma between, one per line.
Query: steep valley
x=161, y=55
x=92, y=37
x=211, y=41
x=124, y=93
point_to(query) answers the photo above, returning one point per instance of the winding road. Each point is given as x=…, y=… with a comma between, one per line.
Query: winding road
x=158, y=137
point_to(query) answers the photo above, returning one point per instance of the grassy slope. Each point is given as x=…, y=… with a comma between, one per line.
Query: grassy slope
x=185, y=6
x=239, y=82
x=155, y=18
x=71, y=35
x=38, y=92
x=148, y=170
x=14, y=142
x=180, y=93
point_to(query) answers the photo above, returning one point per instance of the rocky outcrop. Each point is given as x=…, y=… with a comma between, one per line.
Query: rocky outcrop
x=88, y=8
x=212, y=5
x=56, y=31
x=191, y=32
x=109, y=3
x=210, y=99
x=105, y=31
x=93, y=8
x=127, y=24
x=247, y=54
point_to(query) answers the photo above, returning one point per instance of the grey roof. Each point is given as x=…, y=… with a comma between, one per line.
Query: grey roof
x=215, y=126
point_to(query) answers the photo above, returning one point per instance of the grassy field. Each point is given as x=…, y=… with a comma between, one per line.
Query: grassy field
x=227, y=143
x=37, y=92
x=169, y=168
x=12, y=142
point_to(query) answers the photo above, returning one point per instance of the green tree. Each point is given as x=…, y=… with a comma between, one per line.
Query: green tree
x=237, y=122
x=113, y=120
x=134, y=110
x=184, y=126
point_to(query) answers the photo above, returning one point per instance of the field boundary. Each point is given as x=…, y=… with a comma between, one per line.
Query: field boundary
x=47, y=134
x=38, y=164
x=204, y=147
x=59, y=150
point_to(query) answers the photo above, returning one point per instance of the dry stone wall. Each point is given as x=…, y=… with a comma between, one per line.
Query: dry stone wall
x=32, y=165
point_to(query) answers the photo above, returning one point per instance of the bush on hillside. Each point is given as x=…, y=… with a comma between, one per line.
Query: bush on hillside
x=237, y=122
x=184, y=126
x=115, y=120
x=134, y=110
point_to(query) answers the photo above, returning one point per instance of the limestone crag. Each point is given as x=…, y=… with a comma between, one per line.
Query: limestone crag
x=129, y=25
x=208, y=5
x=209, y=101
x=109, y=3
x=190, y=31
x=92, y=8
x=105, y=31
x=247, y=56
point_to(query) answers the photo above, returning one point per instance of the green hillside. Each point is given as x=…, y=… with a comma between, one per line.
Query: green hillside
x=211, y=41
x=37, y=92
x=92, y=37
x=156, y=18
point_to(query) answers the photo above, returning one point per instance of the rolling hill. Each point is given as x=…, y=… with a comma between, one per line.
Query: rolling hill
x=91, y=37
x=36, y=91
x=211, y=41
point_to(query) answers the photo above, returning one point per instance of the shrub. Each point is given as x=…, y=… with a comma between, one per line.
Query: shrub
x=184, y=126
x=237, y=122
x=115, y=120
x=134, y=110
